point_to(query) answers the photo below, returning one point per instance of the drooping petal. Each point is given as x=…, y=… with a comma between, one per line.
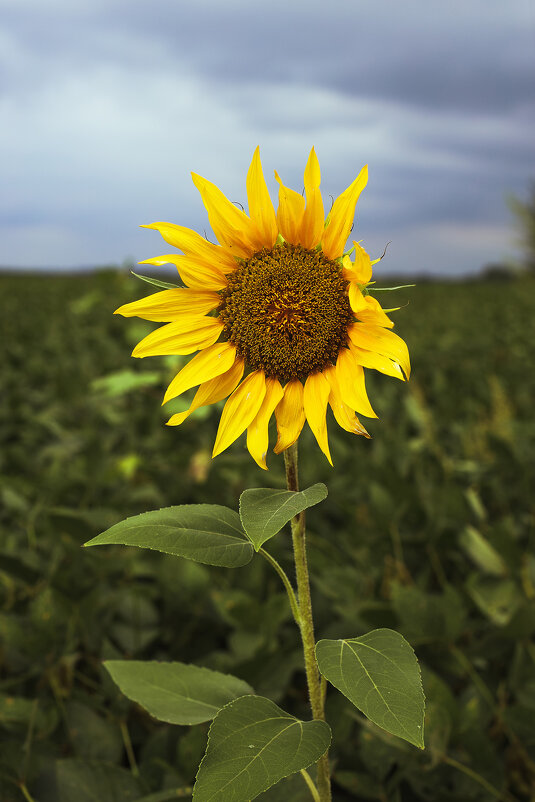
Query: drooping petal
x=357, y=300
x=344, y=415
x=341, y=217
x=196, y=273
x=350, y=377
x=240, y=409
x=208, y=364
x=290, y=212
x=192, y=244
x=290, y=415
x=313, y=222
x=381, y=341
x=169, y=304
x=257, y=431
x=372, y=312
x=231, y=226
x=362, y=265
x=369, y=359
x=184, y=336
x=211, y=392
x=260, y=205
x=315, y=398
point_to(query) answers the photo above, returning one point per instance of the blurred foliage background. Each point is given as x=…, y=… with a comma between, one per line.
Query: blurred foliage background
x=428, y=529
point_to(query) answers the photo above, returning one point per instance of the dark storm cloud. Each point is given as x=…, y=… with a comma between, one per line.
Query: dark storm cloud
x=108, y=96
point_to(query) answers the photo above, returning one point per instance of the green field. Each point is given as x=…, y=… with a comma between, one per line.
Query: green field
x=428, y=529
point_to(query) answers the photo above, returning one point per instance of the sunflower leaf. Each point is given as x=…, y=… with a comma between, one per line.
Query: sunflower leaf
x=252, y=745
x=176, y=692
x=379, y=673
x=156, y=281
x=264, y=511
x=205, y=533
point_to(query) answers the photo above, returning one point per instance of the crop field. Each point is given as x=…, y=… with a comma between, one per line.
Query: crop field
x=427, y=529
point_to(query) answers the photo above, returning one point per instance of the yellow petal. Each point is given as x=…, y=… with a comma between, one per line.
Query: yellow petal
x=290, y=212
x=192, y=244
x=369, y=359
x=260, y=205
x=344, y=415
x=231, y=226
x=196, y=273
x=341, y=217
x=313, y=221
x=240, y=410
x=357, y=300
x=290, y=415
x=362, y=265
x=184, y=336
x=211, y=392
x=257, y=431
x=381, y=341
x=350, y=378
x=169, y=304
x=372, y=312
x=211, y=362
x=315, y=398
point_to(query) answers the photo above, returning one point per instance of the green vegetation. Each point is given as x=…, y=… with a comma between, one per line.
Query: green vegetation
x=427, y=529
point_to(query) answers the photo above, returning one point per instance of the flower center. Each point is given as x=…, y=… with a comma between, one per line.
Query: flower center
x=287, y=311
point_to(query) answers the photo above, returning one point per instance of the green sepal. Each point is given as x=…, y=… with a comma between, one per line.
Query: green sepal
x=157, y=282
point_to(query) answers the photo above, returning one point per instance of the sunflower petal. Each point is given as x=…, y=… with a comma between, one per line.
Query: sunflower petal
x=357, y=300
x=290, y=415
x=344, y=415
x=315, y=398
x=260, y=205
x=372, y=312
x=231, y=226
x=290, y=212
x=192, y=244
x=312, y=224
x=211, y=392
x=184, y=336
x=257, y=431
x=362, y=265
x=208, y=364
x=350, y=378
x=381, y=341
x=240, y=410
x=341, y=217
x=165, y=306
x=196, y=273
x=369, y=359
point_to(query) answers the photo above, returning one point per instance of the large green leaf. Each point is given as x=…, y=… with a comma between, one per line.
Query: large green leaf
x=206, y=533
x=253, y=744
x=379, y=673
x=176, y=692
x=264, y=512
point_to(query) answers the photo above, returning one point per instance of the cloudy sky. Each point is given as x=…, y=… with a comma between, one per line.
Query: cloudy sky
x=107, y=105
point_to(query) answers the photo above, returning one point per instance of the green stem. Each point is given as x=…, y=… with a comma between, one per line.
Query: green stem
x=306, y=621
x=503, y=795
x=128, y=747
x=287, y=584
x=26, y=794
x=311, y=787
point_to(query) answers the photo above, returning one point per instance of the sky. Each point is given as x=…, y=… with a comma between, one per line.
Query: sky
x=108, y=105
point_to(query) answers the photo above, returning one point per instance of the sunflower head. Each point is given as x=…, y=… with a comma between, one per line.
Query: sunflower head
x=279, y=314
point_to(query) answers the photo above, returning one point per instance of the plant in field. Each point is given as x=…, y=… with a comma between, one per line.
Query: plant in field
x=279, y=302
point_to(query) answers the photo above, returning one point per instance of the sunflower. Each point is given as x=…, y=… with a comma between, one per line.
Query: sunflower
x=280, y=316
